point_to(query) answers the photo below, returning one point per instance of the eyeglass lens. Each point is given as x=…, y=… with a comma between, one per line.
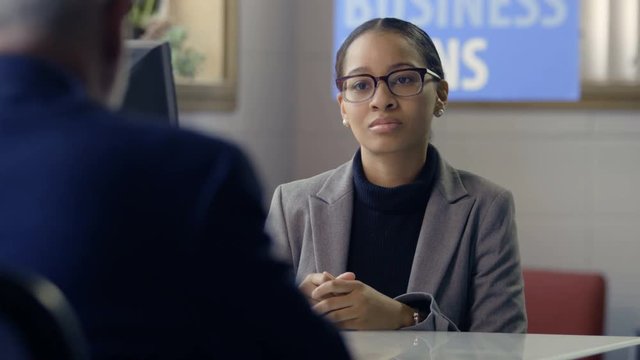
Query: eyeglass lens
x=400, y=83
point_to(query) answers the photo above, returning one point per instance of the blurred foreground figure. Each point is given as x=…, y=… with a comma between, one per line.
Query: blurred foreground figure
x=155, y=235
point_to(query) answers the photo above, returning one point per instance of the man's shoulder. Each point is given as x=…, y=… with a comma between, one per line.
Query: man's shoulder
x=186, y=157
x=140, y=133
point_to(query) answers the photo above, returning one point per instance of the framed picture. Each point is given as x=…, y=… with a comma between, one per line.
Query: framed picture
x=203, y=39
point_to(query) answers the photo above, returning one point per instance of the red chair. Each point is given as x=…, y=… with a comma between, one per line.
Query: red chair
x=560, y=302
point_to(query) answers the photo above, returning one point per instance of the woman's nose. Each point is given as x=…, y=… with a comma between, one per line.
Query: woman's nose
x=383, y=98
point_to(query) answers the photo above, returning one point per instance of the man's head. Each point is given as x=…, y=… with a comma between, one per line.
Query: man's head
x=82, y=36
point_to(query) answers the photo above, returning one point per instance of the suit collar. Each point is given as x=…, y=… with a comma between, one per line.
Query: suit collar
x=25, y=79
x=340, y=182
x=449, y=183
x=443, y=227
x=331, y=209
x=338, y=185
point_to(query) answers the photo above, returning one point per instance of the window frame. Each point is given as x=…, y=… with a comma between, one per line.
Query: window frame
x=221, y=95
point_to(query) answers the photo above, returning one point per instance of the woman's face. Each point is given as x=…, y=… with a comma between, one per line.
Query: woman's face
x=387, y=123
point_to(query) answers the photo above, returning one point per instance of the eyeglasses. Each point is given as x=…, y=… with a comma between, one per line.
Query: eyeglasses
x=403, y=82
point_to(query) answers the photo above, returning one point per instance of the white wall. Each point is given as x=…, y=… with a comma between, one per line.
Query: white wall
x=574, y=173
x=261, y=122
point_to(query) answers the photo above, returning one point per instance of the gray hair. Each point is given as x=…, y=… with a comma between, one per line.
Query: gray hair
x=52, y=17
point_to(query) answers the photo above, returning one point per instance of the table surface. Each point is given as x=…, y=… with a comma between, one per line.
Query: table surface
x=425, y=345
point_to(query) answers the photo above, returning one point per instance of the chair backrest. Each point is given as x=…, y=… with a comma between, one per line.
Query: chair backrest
x=561, y=302
x=44, y=323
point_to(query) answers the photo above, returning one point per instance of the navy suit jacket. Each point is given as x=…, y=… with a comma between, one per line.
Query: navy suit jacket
x=154, y=234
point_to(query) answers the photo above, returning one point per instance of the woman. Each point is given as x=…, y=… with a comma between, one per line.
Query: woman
x=379, y=240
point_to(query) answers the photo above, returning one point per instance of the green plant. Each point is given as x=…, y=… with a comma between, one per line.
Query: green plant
x=186, y=61
x=142, y=11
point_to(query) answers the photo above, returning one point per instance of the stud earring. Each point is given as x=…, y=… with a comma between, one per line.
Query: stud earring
x=345, y=123
x=439, y=112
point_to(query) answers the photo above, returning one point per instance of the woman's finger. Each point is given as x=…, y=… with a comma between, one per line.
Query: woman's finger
x=334, y=288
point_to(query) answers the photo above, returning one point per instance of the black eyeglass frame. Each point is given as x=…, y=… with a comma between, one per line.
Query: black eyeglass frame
x=376, y=80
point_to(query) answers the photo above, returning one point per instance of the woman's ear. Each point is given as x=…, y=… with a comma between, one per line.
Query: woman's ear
x=343, y=112
x=443, y=93
x=340, y=100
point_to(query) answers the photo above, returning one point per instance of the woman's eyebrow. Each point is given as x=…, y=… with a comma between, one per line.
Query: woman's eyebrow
x=364, y=69
x=358, y=70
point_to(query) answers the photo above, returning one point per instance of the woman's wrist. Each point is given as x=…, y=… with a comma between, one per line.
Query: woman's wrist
x=408, y=316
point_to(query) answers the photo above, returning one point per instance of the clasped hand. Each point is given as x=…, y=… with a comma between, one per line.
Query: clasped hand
x=353, y=305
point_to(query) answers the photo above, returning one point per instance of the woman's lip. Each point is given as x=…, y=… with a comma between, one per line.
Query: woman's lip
x=384, y=125
x=384, y=121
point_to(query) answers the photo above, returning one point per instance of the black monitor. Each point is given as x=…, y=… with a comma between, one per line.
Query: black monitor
x=151, y=89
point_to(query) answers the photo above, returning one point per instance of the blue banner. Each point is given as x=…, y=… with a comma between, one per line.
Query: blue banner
x=492, y=50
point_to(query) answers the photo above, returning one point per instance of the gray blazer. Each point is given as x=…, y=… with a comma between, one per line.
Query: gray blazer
x=466, y=258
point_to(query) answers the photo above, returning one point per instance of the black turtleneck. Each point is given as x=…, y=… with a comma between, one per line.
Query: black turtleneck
x=385, y=227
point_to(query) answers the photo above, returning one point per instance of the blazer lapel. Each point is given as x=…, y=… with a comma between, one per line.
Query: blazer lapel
x=330, y=211
x=442, y=228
